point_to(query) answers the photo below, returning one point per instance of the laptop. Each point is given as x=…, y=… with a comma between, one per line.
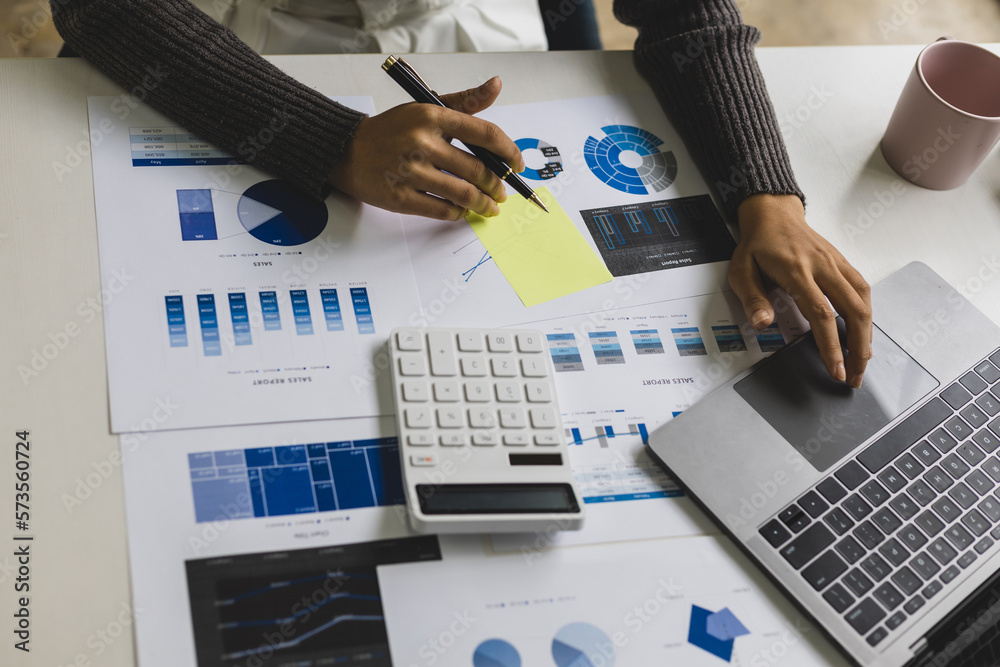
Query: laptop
x=876, y=510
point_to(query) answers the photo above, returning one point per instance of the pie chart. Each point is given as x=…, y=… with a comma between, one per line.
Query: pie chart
x=496, y=653
x=630, y=159
x=276, y=213
x=582, y=645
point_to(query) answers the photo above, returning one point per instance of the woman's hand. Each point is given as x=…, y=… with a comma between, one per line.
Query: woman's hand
x=777, y=245
x=402, y=159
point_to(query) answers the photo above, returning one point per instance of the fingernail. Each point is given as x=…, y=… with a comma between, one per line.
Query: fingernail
x=856, y=381
x=839, y=371
x=494, y=210
x=759, y=319
x=502, y=197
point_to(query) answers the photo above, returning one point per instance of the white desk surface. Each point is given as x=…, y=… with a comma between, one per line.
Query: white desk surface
x=833, y=104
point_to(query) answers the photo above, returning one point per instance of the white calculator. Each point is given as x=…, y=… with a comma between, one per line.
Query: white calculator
x=480, y=434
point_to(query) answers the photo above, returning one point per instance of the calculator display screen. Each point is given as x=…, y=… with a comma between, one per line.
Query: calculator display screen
x=497, y=498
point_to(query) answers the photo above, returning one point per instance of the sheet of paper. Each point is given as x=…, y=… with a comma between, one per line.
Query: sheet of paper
x=229, y=295
x=542, y=255
x=256, y=541
x=621, y=172
x=690, y=601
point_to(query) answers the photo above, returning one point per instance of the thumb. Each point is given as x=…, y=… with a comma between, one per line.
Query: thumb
x=474, y=100
x=746, y=281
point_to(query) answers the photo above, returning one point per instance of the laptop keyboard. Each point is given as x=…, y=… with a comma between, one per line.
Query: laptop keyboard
x=895, y=526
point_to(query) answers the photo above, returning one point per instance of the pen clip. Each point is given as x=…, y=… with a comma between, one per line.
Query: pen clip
x=405, y=65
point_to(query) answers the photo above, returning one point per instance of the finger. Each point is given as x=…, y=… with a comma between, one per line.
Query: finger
x=746, y=281
x=455, y=190
x=428, y=206
x=850, y=301
x=474, y=100
x=816, y=309
x=471, y=169
x=479, y=132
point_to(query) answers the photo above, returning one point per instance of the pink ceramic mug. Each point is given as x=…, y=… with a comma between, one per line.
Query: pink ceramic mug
x=948, y=117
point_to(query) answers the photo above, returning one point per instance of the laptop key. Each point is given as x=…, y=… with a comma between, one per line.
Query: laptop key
x=895, y=620
x=986, y=440
x=864, y=616
x=956, y=395
x=839, y=598
x=989, y=404
x=922, y=493
x=894, y=552
x=868, y=535
x=924, y=565
x=904, y=507
x=909, y=466
x=991, y=508
x=904, y=435
x=858, y=582
x=958, y=428
x=992, y=467
x=794, y=518
x=831, y=489
x=976, y=523
x=892, y=479
x=908, y=582
x=979, y=482
x=995, y=358
x=888, y=596
x=929, y=523
x=887, y=521
x=973, y=415
x=857, y=507
x=959, y=536
x=775, y=533
x=874, y=638
x=972, y=454
x=967, y=559
x=914, y=604
x=983, y=545
x=947, y=509
x=911, y=537
x=940, y=439
x=824, y=570
x=874, y=493
x=995, y=426
x=963, y=495
x=937, y=478
x=932, y=589
x=942, y=551
x=988, y=371
x=925, y=453
x=876, y=567
x=838, y=520
x=995, y=533
x=807, y=545
x=851, y=475
x=973, y=383
x=813, y=504
x=850, y=549
x=954, y=466
x=949, y=575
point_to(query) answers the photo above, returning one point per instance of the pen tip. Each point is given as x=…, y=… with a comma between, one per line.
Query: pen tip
x=536, y=200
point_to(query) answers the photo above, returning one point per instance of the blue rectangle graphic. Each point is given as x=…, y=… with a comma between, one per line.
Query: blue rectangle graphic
x=176, y=326
x=300, y=311
x=209, y=325
x=362, y=310
x=240, y=317
x=331, y=309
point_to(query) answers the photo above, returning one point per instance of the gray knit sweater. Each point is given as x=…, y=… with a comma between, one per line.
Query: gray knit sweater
x=696, y=54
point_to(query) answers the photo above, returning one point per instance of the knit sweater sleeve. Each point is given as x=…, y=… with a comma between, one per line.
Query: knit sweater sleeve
x=197, y=72
x=698, y=57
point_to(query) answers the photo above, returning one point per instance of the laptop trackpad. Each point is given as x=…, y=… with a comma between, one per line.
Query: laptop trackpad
x=824, y=419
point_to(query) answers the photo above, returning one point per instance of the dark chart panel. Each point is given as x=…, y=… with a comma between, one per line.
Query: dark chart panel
x=653, y=236
x=305, y=608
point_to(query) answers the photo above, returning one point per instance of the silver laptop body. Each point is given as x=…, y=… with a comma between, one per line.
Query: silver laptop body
x=753, y=452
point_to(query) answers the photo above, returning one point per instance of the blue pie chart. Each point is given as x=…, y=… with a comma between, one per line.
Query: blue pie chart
x=276, y=213
x=582, y=645
x=496, y=653
x=651, y=169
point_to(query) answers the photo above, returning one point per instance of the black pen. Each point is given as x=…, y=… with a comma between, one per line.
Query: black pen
x=411, y=82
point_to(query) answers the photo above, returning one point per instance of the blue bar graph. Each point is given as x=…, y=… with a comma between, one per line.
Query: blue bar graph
x=209, y=325
x=729, y=338
x=688, y=341
x=770, y=339
x=647, y=341
x=362, y=310
x=667, y=216
x=300, y=310
x=331, y=309
x=197, y=215
x=269, y=311
x=297, y=479
x=241, y=318
x=176, y=327
x=565, y=353
x=606, y=347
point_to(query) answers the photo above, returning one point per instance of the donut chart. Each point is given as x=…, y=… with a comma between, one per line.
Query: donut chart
x=607, y=157
x=553, y=165
x=582, y=645
x=276, y=213
x=496, y=653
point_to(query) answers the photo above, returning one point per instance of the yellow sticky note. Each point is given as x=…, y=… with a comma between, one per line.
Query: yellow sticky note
x=542, y=255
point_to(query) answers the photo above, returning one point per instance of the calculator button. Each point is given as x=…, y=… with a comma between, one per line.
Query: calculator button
x=504, y=367
x=417, y=417
x=538, y=392
x=473, y=367
x=470, y=341
x=449, y=417
x=515, y=439
x=513, y=418
x=442, y=353
x=420, y=439
x=482, y=418
x=534, y=368
x=484, y=439
x=410, y=340
x=477, y=392
x=412, y=365
x=446, y=391
x=529, y=342
x=415, y=390
x=452, y=440
x=423, y=461
x=547, y=439
x=500, y=341
x=542, y=418
x=508, y=392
